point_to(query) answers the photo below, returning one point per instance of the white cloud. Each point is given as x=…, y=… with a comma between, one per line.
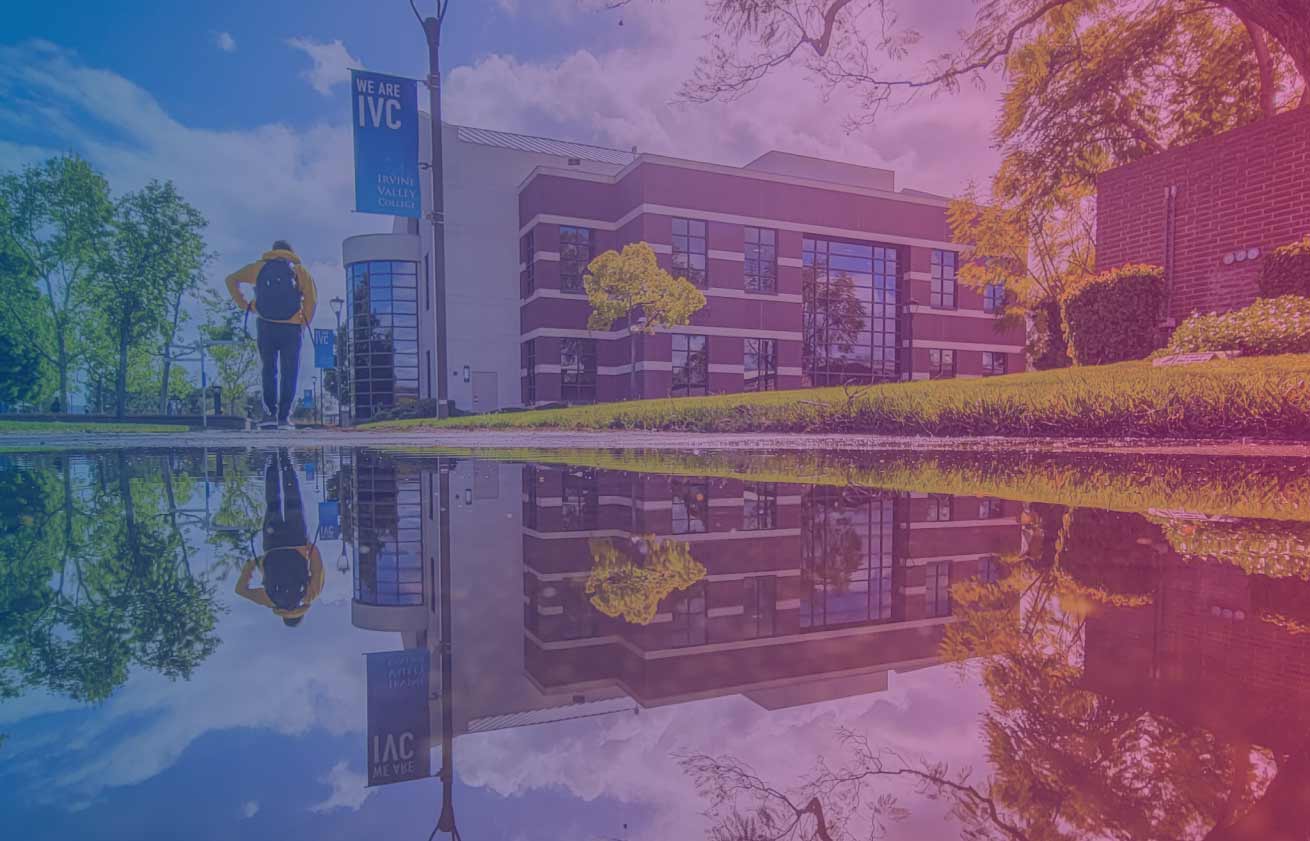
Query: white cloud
x=509, y=7
x=225, y=42
x=620, y=91
x=348, y=789
x=249, y=809
x=332, y=63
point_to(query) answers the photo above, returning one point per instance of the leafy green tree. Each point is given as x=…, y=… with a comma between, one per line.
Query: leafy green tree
x=236, y=367
x=96, y=579
x=155, y=254
x=631, y=285
x=632, y=582
x=54, y=223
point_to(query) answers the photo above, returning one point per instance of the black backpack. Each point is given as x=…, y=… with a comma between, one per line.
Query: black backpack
x=277, y=291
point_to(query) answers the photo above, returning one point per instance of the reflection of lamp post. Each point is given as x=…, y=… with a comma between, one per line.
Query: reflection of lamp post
x=336, y=360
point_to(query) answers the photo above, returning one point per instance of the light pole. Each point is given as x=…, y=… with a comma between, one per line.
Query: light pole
x=432, y=34
x=337, y=303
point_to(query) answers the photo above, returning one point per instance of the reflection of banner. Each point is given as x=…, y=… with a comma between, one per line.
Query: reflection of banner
x=329, y=519
x=385, y=111
x=397, y=716
x=325, y=348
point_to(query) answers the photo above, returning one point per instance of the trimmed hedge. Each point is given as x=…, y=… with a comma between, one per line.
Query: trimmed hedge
x=1286, y=270
x=1267, y=327
x=1113, y=316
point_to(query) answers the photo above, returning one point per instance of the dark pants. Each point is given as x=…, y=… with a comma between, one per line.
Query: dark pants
x=284, y=514
x=279, y=350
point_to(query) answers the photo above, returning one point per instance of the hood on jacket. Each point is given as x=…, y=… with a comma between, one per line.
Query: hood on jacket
x=281, y=254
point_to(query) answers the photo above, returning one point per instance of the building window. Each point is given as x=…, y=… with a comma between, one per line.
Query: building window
x=691, y=506
x=574, y=257
x=849, y=293
x=388, y=507
x=689, y=251
x=943, y=280
x=530, y=377
x=759, y=510
x=579, y=499
x=990, y=509
x=994, y=298
x=691, y=365
x=761, y=365
x=938, y=588
x=848, y=551
x=577, y=364
x=993, y=364
x=989, y=569
x=759, y=603
x=382, y=327
x=941, y=364
x=530, y=264
x=761, y=251
x=939, y=509
x=688, y=623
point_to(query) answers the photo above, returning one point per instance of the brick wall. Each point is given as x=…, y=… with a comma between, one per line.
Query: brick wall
x=1247, y=188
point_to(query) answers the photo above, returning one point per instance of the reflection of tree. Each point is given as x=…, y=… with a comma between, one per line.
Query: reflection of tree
x=835, y=317
x=632, y=582
x=96, y=581
x=1258, y=547
x=834, y=525
x=1065, y=761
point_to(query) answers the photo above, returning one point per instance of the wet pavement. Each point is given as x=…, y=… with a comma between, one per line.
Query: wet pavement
x=314, y=639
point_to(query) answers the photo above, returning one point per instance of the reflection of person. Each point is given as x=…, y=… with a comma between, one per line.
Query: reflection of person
x=291, y=570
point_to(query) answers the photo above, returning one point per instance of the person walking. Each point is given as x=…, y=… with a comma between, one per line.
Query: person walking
x=285, y=297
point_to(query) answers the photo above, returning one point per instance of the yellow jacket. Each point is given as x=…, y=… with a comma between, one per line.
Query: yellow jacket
x=258, y=596
x=250, y=274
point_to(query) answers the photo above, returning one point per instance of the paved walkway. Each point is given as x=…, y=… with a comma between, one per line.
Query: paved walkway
x=544, y=439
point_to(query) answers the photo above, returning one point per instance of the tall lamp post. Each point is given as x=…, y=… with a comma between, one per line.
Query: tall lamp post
x=432, y=34
x=337, y=303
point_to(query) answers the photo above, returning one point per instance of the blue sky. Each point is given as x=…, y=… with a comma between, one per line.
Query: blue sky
x=244, y=104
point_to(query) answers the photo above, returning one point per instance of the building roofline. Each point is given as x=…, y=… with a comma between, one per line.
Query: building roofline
x=910, y=197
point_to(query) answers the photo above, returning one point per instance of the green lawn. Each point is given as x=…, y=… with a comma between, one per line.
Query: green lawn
x=1266, y=397
x=61, y=426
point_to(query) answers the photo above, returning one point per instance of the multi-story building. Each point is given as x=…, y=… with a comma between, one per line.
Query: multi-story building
x=815, y=273
x=797, y=594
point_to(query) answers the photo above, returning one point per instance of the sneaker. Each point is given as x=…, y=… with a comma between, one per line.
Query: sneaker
x=268, y=423
x=286, y=426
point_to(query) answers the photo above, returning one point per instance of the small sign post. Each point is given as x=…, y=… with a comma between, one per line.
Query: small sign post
x=398, y=716
x=385, y=111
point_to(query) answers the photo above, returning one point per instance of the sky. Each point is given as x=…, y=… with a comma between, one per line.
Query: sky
x=244, y=104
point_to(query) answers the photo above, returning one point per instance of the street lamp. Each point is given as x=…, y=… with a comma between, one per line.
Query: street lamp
x=432, y=35
x=336, y=304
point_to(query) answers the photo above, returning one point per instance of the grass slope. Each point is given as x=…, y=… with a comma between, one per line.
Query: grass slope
x=1266, y=397
x=1248, y=487
x=28, y=427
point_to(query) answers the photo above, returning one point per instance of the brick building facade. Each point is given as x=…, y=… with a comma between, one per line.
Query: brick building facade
x=1209, y=211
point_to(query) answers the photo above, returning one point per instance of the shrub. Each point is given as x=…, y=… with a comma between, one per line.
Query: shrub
x=1269, y=326
x=1112, y=316
x=426, y=408
x=1286, y=270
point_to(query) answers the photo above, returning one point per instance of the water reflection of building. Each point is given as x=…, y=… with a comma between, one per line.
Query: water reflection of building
x=809, y=593
x=1212, y=646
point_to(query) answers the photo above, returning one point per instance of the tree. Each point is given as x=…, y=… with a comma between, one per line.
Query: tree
x=177, y=293
x=155, y=254
x=631, y=285
x=632, y=586
x=236, y=367
x=1032, y=256
x=54, y=221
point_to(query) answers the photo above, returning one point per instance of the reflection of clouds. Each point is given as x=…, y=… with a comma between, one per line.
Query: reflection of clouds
x=263, y=676
x=250, y=808
x=348, y=789
x=633, y=758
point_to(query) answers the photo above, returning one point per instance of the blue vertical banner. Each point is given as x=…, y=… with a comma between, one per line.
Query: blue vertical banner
x=325, y=348
x=398, y=716
x=385, y=111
